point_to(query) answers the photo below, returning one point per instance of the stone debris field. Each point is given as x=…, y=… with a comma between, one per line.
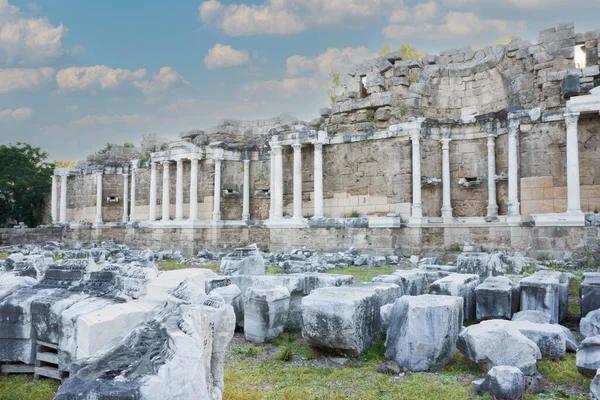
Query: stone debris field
x=106, y=322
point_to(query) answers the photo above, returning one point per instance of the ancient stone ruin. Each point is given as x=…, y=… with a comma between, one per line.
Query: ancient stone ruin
x=490, y=153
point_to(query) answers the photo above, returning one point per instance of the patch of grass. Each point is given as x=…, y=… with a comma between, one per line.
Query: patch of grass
x=574, y=309
x=563, y=372
x=56, y=258
x=21, y=387
x=275, y=270
x=353, y=214
x=280, y=380
x=248, y=351
x=460, y=365
x=172, y=265
x=363, y=274
x=213, y=267
x=375, y=354
x=454, y=247
x=574, y=285
x=4, y=255
x=557, y=394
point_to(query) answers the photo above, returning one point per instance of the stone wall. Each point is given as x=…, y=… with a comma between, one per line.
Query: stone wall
x=399, y=241
x=459, y=83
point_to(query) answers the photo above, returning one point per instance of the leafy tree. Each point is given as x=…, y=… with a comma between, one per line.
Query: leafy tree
x=24, y=182
x=385, y=49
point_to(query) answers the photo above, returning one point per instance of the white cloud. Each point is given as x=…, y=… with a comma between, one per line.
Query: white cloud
x=82, y=78
x=164, y=80
x=105, y=120
x=19, y=113
x=467, y=24
x=225, y=56
x=25, y=40
x=453, y=25
x=285, y=88
x=288, y=17
x=72, y=108
x=13, y=79
x=332, y=59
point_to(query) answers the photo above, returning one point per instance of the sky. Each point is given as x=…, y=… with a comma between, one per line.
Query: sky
x=76, y=74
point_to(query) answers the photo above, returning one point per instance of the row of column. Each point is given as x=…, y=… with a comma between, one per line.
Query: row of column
x=59, y=211
x=276, y=210
x=492, y=208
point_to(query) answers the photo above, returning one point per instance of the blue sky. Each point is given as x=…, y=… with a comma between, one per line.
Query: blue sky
x=75, y=74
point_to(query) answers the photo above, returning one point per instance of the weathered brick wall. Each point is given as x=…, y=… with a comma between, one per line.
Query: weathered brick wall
x=468, y=159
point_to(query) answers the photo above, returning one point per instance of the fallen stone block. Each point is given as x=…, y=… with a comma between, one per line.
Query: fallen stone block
x=536, y=316
x=346, y=318
x=590, y=325
x=494, y=343
x=243, y=261
x=423, y=331
x=502, y=382
x=546, y=291
x=413, y=282
x=589, y=293
x=595, y=386
x=460, y=285
x=588, y=356
x=494, y=298
x=178, y=354
x=265, y=311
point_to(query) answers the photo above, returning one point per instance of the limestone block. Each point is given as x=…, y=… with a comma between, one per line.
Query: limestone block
x=502, y=382
x=588, y=356
x=423, y=331
x=595, y=387
x=179, y=354
x=535, y=316
x=386, y=315
x=232, y=295
x=413, y=282
x=265, y=311
x=158, y=289
x=589, y=293
x=590, y=325
x=497, y=263
x=10, y=283
x=460, y=285
x=346, y=318
x=493, y=343
x=473, y=263
x=243, y=261
x=549, y=338
x=546, y=291
x=494, y=298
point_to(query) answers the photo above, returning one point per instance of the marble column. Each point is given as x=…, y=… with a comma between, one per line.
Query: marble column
x=492, y=209
x=417, y=208
x=99, y=176
x=217, y=192
x=63, y=197
x=573, y=185
x=246, y=200
x=166, y=199
x=132, y=199
x=54, y=203
x=153, y=179
x=272, y=185
x=514, y=212
x=278, y=182
x=125, y=198
x=194, y=188
x=179, y=191
x=446, y=200
x=318, y=180
x=297, y=180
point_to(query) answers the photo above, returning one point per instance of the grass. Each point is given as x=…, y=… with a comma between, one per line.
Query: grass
x=363, y=274
x=172, y=265
x=4, y=255
x=564, y=372
x=284, y=380
x=248, y=351
x=275, y=270
x=21, y=387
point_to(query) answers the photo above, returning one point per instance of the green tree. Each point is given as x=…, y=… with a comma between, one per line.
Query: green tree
x=24, y=182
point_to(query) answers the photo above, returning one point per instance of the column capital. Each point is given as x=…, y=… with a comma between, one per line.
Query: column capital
x=135, y=163
x=297, y=146
x=513, y=126
x=246, y=162
x=153, y=165
x=165, y=162
x=179, y=162
x=195, y=157
x=415, y=135
x=218, y=155
x=125, y=174
x=445, y=142
x=571, y=117
x=318, y=146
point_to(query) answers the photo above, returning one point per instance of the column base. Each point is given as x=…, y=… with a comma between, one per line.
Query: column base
x=447, y=213
x=492, y=210
x=513, y=219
